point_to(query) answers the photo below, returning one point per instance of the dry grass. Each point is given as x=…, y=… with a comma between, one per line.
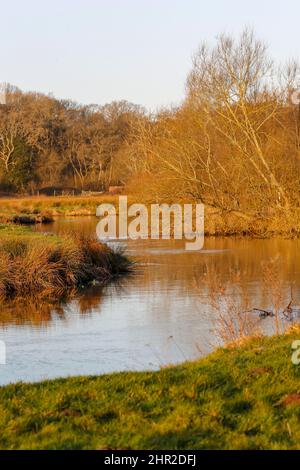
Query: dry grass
x=277, y=223
x=51, y=266
x=217, y=223
x=54, y=206
x=232, y=321
x=236, y=318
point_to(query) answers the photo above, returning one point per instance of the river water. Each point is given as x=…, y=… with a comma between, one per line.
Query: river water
x=160, y=315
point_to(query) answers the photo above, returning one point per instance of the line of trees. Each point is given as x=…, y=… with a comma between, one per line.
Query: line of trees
x=234, y=142
x=48, y=142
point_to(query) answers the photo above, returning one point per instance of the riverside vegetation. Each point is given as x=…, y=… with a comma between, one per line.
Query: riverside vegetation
x=42, y=209
x=52, y=266
x=232, y=144
x=239, y=397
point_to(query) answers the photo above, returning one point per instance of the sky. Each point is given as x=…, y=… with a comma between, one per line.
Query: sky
x=97, y=51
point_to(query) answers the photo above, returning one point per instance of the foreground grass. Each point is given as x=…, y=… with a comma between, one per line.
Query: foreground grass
x=52, y=266
x=237, y=398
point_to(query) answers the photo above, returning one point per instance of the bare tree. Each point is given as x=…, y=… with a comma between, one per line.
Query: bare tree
x=235, y=85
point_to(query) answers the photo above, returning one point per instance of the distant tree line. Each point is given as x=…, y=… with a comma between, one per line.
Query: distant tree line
x=48, y=142
x=233, y=143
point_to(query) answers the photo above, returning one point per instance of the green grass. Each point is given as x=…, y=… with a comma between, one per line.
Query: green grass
x=246, y=397
x=10, y=232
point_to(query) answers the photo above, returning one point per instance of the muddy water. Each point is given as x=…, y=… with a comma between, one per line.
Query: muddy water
x=160, y=315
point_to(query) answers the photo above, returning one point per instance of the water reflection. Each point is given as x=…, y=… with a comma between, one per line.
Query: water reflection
x=38, y=312
x=160, y=315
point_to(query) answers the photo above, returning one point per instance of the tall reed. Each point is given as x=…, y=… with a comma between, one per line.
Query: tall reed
x=54, y=267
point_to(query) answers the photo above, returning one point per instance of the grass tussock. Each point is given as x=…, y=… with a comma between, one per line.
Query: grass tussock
x=236, y=398
x=47, y=265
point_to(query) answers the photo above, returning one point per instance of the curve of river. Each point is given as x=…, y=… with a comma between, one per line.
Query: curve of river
x=160, y=315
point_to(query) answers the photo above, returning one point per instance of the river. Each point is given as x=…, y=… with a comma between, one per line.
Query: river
x=158, y=316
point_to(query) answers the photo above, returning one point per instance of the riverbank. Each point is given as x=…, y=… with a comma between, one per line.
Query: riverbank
x=239, y=397
x=54, y=206
x=42, y=209
x=48, y=265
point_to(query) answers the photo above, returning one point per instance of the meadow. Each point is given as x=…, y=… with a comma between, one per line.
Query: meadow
x=242, y=396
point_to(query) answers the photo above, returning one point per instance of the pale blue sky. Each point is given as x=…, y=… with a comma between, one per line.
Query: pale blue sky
x=95, y=51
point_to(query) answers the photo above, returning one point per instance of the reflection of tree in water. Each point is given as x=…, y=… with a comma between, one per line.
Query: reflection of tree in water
x=164, y=277
x=40, y=312
x=36, y=311
x=29, y=310
x=91, y=297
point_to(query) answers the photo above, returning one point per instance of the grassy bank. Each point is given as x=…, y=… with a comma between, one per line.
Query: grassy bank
x=244, y=397
x=35, y=263
x=54, y=206
x=41, y=209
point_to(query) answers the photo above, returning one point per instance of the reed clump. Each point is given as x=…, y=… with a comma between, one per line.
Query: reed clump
x=51, y=266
